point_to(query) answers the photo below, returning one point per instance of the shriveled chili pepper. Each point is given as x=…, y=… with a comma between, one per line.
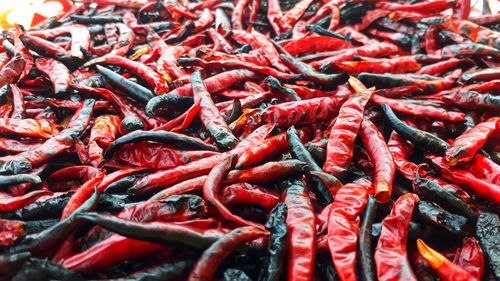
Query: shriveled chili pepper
x=470, y=142
x=444, y=267
x=206, y=266
x=380, y=155
x=487, y=233
x=416, y=136
x=343, y=225
x=301, y=231
x=210, y=116
x=103, y=133
x=470, y=257
x=299, y=151
x=390, y=255
x=344, y=131
x=365, y=247
x=477, y=186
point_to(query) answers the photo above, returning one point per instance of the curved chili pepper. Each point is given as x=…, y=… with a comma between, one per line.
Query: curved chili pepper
x=257, y=175
x=39, y=242
x=47, y=48
x=343, y=225
x=301, y=231
x=479, y=187
x=57, y=72
x=470, y=142
x=416, y=136
x=299, y=151
x=430, y=189
x=390, y=255
x=157, y=136
x=428, y=84
x=247, y=194
x=470, y=257
x=135, y=90
x=154, y=181
x=210, y=116
x=212, y=187
x=339, y=148
x=144, y=72
x=61, y=142
x=275, y=84
x=103, y=133
x=380, y=155
x=206, y=266
x=266, y=149
x=444, y=267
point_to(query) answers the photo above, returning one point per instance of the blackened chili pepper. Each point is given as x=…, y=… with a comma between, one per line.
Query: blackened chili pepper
x=206, y=266
x=157, y=136
x=299, y=151
x=38, y=243
x=277, y=244
x=416, y=136
x=365, y=248
x=210, y=116
x=167, y=272
x=433, y=214
x=38, y=268
x=487, y=233
x=309, y=73
x=135, y=90
x=432, y=190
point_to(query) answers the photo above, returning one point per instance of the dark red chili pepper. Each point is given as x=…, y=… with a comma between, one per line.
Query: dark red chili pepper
x=206, y=266
x=391, y=257
x=210, y=116
x=168, y=177
x=470, y=257
x=339, y=148
x=396, y=65
x=248, y=194
x=57, y=72
x=314, y=44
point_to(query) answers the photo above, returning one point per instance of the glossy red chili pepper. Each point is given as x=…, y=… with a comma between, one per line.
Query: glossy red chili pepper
x=381, y=156
x=470, y=257
x=396, y=65
x=339, y=149
x=464, y=178
x=484, y=168
x=391, y=257
x=103, y=133
x=470, y=142
x=301, y=231
x=444, y=267
x=343, y=224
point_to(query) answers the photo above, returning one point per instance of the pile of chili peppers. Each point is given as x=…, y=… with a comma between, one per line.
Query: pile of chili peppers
x=252, y=140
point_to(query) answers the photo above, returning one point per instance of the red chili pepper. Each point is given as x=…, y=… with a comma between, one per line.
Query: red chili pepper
x=9, y=203
x=461, y=9
x=401, y=150
x=444, y=267
x=301, y=231
x=57, y=72
x=210, y=116
x=381, y=156
x=343, y=225
x=275, y=16
x=103, y=133
x=396, y=65
x=470, y=142
x=339, y=149
x=80, y=40
x=391, y=257
x=470, y=257
x=420, y=110
x=461, y=177
x=314, y=44
x=18, y=106
x=291, y=16
x=484, y=168
x=11, y=231
x=139, y=69
x=440, y=67
x=247, y=194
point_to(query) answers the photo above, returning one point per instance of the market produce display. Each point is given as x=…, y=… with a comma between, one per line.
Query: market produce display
x=252, y=140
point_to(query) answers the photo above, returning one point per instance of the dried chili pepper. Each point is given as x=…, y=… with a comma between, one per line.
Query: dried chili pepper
x=339, y=148
x=301, y=231
x=486, y=231
x=390, y=255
